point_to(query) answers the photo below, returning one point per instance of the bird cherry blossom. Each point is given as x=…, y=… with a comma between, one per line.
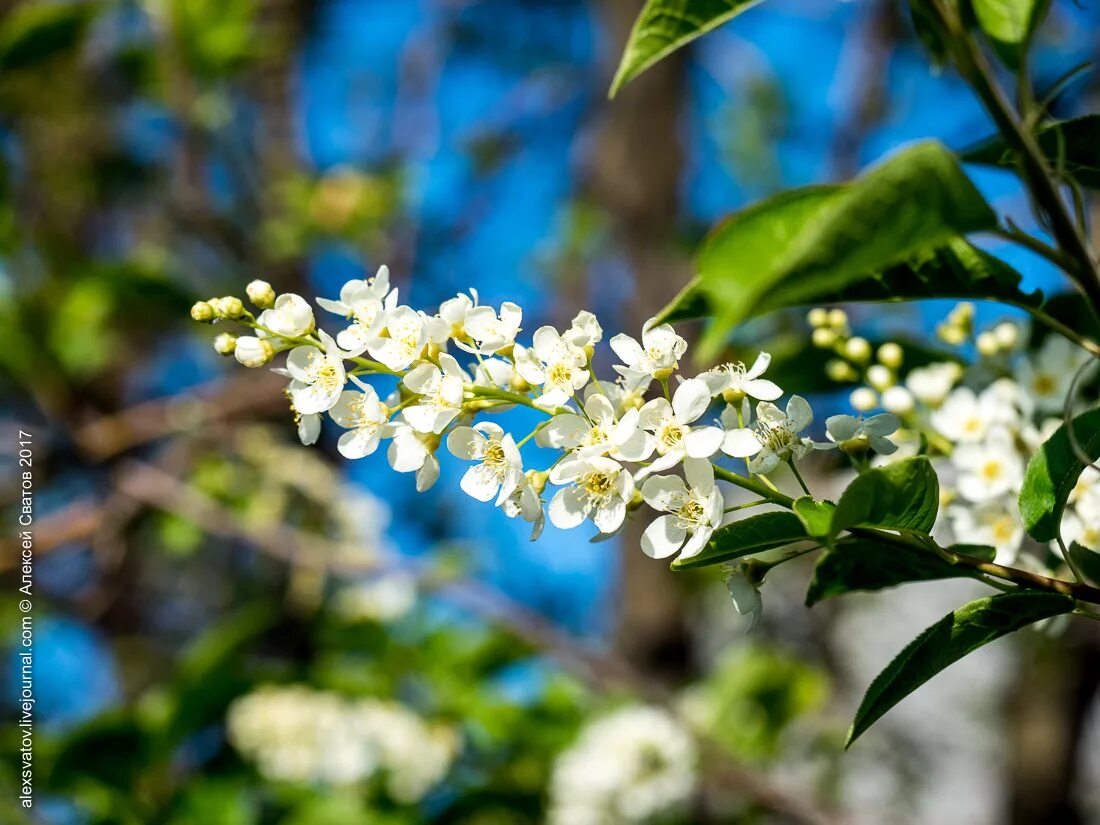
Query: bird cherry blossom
x=674, y=437
x=555, y=365
x=694, y=509
x=774, y=438
x=499, y=470
x=598, y=489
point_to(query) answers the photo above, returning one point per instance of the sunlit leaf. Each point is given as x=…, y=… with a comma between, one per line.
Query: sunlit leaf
x=746, y=536
x=953, y=637
x=1052, y=473
x=1071, y=146
x=904, y=495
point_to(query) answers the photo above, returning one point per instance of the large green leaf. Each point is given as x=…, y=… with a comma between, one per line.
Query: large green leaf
x=819, y=241
x=865, y=564
x=746, y=536
x=1087, y=561
x=1009, y=24
x=666, y=25
x=951, y=638
x=36, y=32
x=904, y=495
x=1071, y=146
x=1052, y=473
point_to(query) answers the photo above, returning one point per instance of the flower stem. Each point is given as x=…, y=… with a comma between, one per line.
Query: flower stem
x=798, y=475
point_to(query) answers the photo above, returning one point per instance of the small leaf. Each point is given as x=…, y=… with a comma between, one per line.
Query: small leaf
x=1087, y=561
x=816, y=516
x=978, y=551
x=1052, y=473
x=867, y=565
x=1009, y=24
x=802, y=244
x=746, y=536
x=665, y=25
x=951, y=638
x=1071, y=146
x=904, y=495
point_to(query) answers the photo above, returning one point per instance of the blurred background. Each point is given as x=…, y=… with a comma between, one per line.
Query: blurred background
x=190, y=555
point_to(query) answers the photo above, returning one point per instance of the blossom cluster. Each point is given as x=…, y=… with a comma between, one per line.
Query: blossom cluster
x=984, y=420
x=637, y=764
x=619, y=440
x=296, y=734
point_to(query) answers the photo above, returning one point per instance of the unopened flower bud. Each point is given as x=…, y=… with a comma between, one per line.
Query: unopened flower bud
x=863, y=399
x=880, y=377
x=229, y=307
x=840, y=371
x=858, y=349
x=261, y=293
x=1007, y=334
x=225, y=343
x=962, y=313
x=897, y=400
x=818, y=317
x=838, y=319
x=202, y=312
x=891, y=355
x=823, y=337
x=253, y=352
x=952, y=334
x=986, y=343
x=537, y=480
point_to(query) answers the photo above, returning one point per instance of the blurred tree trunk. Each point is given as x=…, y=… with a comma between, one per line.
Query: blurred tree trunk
x=1047, y=713
x=635, y=175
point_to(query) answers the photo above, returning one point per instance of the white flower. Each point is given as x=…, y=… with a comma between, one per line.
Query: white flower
x=931, y=384
x=291, y=317
x=863, y=399
x=454, y=312
x=1047, y=375
x=774, y=437
x=995, y=523
x=412, y=451
x=966, y=417
x=585, y=331
x=598, y=432
x=365, y=418
x=847, y=430
x=499, y=470
x=554, y=364
x=365, y=302
x=990, y=468
x=1076, y=529
x=670, y=424
x=694, y=510
x=525, y=503
x=489, y=331
x=441, y=392
x=636, y=765
x=734, y=381
x=407, y=334
x=656, y=357
x=319, y=377
x=746, y=598
x=383, y=598
x=309, y=428
x=599, y=489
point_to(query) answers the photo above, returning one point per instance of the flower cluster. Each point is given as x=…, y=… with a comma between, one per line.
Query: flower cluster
x=985, y=420
x=635, y=765
x=618, y=439
x=300, y=735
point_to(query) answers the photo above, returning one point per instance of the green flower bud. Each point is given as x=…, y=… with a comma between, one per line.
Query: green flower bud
x=225, y=343
x=891, y=355
x=818, y=317
x=261, y=293
x=202, y=312
x=229, y=307
x=858, y=349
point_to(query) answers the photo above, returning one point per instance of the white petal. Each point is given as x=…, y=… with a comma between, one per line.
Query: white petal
x=663, y=538
x=699, y=474
x=690, y=400
x=610, y=516
x=480, y=482
x=703, y=442
x=358, y=443
x=567, y=508
x=759, y=366
x=697, y=542
x=427, y=474
x=465, y=443
x=629, y=351
x=741, y=443
x=762, y=389
x=799, y=413
x=406, y=453
x=662, y=492
x=563, y=431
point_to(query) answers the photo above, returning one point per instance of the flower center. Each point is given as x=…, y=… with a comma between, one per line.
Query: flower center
x=598, y=483
x=691, y=513
x=560, y=373
x=992, y=470
x=777, y=438
x=1044, y=384
x=671, y=435
x=494, y=455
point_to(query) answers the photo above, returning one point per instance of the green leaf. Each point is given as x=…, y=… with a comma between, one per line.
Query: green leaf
x=867, y=565
x=1009, y=24
x=904, y=495
x=1087, y=561
x=666, y=25
x=951, y=638
x=1072, y=146
x=746, y=536
x=816, y=516
x=1052, y=473
x=977, y=551
x=36, y=32
x=816, y=241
